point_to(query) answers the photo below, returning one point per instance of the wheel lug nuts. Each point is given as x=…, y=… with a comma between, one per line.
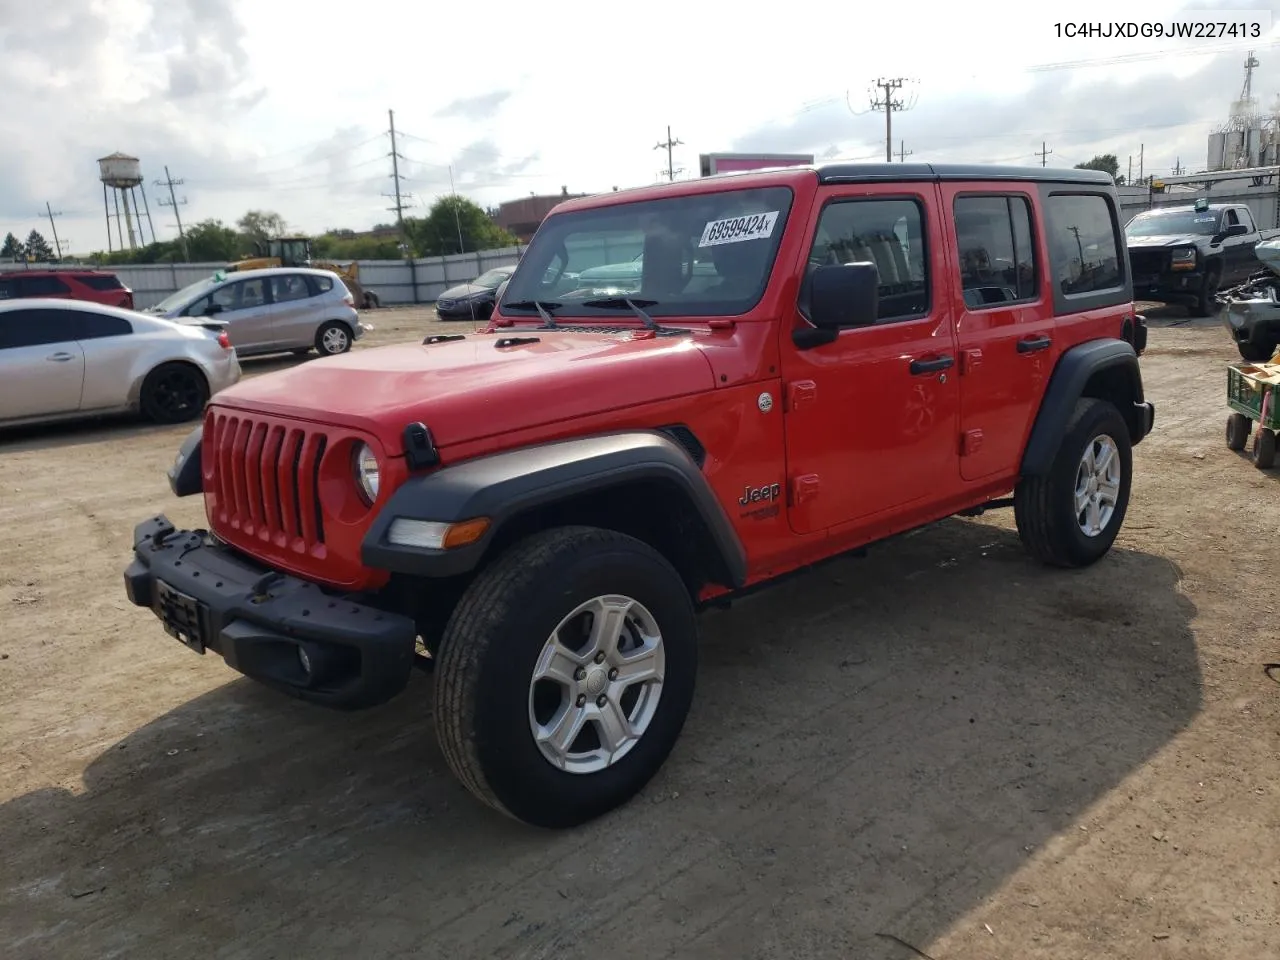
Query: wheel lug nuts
x=582, y=700
x=580, y=674
x=613, y=674
x=601, y=700
x=600, y=657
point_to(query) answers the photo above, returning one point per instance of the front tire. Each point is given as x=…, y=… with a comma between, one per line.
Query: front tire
x=1070, y=516
x=173, y=393
x=565, y=674
x=1206, y=302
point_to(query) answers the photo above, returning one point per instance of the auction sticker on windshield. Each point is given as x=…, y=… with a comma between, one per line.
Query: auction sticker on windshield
x=756, y=226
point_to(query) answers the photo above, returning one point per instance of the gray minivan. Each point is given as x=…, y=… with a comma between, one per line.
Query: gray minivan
x=272, y=310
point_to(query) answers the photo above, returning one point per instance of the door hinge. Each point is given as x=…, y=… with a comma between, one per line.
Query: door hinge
x=970, y=442
x=800, y=393
x=804, y=488
x=970, y=360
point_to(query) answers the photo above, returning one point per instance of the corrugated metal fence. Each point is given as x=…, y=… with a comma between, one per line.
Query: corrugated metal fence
x=393, y=281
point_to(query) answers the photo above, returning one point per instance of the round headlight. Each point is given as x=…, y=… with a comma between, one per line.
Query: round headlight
x=365, y=465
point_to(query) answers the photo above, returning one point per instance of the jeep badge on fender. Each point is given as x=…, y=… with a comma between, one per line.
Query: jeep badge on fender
x=757, y=494
x=536, y=512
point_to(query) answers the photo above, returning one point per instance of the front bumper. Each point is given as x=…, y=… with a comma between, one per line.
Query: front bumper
x=1168, y=286
x=280, y=630
x=1146, y=417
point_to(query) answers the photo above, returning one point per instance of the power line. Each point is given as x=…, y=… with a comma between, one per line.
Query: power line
x=1043, y=153
x=671, y=171
x=888, y=105
x=169, y=182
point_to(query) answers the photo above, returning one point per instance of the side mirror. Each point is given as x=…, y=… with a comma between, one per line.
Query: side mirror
x=839, y=296
x=1237, y=230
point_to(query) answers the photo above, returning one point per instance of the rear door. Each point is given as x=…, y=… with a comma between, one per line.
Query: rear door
x=1006, y=343
x=294, y=319
x=110, y=351
x=41, y=364
x=37, y=284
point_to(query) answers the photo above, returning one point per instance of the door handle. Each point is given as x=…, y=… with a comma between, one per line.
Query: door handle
x=59, y=357
x=1032, y=344
x=919, y=367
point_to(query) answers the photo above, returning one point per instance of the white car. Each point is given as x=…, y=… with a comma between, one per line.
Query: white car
x=66, y=359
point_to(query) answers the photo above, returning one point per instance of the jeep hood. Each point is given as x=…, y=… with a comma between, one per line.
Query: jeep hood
x=467, y=389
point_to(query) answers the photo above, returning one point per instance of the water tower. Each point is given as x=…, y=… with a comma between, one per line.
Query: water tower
x=122, y=175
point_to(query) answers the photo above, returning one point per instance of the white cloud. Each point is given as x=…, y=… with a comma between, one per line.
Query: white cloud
x=284, y=107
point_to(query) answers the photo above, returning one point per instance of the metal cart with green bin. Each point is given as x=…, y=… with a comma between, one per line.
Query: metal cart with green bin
x=1252, y=396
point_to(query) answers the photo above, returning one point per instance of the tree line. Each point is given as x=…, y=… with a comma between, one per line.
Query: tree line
x=451, y=225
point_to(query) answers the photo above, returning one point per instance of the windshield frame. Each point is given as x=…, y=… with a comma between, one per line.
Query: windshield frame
x=1175, y=223
x=548, y=253
x=186, y=295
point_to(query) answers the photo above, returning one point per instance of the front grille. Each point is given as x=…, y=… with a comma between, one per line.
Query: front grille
x=1147, y=262
x=265, y=479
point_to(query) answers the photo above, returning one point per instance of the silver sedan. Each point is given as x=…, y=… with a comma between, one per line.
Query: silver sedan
x=65, y=359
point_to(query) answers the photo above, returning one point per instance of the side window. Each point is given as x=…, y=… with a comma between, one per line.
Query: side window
x=1232, y=219
x=35, y=285
x=997, y=259
x=888, y=233
x=253, y=293
x=36, y=328
x=1084, y=244
x=94, y=326
x=6, y=289
x=228, y=297
x=198, y=308
x=98, y=282
x=289, y=287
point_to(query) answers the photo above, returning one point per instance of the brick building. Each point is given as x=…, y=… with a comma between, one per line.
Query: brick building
x=522, y=217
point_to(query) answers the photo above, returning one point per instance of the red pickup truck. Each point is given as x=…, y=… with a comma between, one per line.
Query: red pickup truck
x=805, y=361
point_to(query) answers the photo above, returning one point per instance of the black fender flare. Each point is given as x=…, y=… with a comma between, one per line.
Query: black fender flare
x=503, y=485
x=1075, y=368
x=186, y=476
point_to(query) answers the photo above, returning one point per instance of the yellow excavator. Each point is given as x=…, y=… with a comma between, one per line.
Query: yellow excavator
x=296, y=252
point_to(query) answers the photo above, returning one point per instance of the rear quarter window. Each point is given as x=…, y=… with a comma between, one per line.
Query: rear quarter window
x=320, y=285
x=95, y=282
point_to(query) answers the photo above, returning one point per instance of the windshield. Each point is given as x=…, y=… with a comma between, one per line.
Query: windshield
x=175, y=300
x=491, y=279
x=704, y=255
x=1174, y=222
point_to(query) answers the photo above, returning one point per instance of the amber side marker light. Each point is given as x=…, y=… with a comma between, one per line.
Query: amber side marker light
x=432, y=535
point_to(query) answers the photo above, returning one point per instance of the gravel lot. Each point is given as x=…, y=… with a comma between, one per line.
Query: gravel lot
x=941, y=743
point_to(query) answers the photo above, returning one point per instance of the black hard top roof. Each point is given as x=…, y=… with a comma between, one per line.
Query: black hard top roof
x=872, y=172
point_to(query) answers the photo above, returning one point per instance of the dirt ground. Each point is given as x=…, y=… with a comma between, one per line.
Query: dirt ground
x=941, y=743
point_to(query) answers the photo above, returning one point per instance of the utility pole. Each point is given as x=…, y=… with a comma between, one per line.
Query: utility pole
x=399, y=197
x=1141, y=150
x=903, y=152
x=169, y=182
x=57, y=244
x=671, y=171
x=1043, y=153
x=1129, y=179
x=888, y=105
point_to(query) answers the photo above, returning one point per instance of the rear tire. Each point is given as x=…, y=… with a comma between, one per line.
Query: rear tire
x=1087, y=485
x=515, y=623
x=1238, y=427
x=173, y=393
x=333, y=338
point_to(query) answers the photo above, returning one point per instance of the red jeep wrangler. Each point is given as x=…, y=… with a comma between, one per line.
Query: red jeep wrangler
x=777, y=367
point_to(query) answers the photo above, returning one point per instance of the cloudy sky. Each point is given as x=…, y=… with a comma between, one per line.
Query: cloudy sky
x=285, y=109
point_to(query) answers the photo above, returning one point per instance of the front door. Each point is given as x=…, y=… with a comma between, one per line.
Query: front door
x=41, y=364
x=871, y=418
x=1007, y=348
x=246, y=309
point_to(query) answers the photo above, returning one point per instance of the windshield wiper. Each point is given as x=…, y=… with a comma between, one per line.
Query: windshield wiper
x=618, y=303
x=544, y=308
